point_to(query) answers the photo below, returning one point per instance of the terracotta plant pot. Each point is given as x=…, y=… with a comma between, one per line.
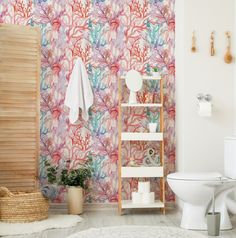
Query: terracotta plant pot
x=75, y=200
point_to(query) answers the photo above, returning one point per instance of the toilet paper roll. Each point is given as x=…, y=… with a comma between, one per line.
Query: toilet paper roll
x=144, y=187
x=137, y=197
x=205, y=109
x=148, y=198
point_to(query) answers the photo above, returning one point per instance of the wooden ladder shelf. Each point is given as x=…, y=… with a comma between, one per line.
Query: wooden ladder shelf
x=141, y=171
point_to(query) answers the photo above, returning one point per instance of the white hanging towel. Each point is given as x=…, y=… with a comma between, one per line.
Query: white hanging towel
x=79, y=93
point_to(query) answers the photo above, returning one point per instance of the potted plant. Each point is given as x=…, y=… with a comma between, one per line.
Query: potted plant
x=152, y=124
x=155, y=72
x=75, y=180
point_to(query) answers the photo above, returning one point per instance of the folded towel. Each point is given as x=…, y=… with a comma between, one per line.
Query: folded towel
x=79, y=93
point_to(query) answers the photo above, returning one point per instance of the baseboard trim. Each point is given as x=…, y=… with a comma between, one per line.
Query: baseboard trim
x=62, y=207
x=57, y=207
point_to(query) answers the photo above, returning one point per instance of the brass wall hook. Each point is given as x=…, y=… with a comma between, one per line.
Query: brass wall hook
x=212, y=49
x=194, y=48
x=227, y=33
x=228, y=56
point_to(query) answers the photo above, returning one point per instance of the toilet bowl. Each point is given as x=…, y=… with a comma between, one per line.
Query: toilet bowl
x=196, y=191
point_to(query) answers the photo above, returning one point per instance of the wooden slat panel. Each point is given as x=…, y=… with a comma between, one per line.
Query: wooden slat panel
x=22, y=113
x=22, y=130
x=27, y=63
x=6, y=60
x=7, y=166
x=18, y=47
x=18, y=53
x=11, y=48
x=18, y=147
x=18, y=175
x=5, y=38
x=18, y=95
x=17, y=57
x=21, y=181
x=8, y=125
x=17, y=166
x=14, y=159
x=18, y=35
x=19, y=103
x=8, y=68
x=19, y=106
x=18, y=131
x=15, y=84
x=15, y=30
x=17, y=140
x=18, y=88
x=14, y=79
x=16, y=151
x=20, y=75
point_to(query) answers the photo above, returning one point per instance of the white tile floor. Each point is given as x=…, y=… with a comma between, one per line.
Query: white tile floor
x=111, y=218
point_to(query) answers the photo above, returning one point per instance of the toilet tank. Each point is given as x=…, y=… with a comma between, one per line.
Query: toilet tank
x=230, y=157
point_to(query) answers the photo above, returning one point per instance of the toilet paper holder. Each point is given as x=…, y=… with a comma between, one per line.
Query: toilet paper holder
x=204, y=104
x=204, y=97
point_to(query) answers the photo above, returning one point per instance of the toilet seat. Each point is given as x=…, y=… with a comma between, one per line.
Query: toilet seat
x=202, y=176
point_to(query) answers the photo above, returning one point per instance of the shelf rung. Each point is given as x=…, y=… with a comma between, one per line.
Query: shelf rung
x=146, y=77
x=128, y=204
x=141, y=105
x=142, y=172
x=138, y=136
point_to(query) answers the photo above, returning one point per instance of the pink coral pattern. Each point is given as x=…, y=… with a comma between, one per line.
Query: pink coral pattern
x=111, y=37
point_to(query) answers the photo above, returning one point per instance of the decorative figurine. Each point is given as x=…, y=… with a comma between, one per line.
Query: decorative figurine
x=151, y=159
x=228, y=56
x=212, y=43
x=194, y=48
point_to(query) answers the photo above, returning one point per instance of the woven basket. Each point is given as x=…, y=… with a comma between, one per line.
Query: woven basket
x=22, y=207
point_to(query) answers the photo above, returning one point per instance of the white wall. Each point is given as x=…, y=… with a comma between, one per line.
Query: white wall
x=200, y=140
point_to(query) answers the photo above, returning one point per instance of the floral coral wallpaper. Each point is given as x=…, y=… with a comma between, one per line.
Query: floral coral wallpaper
x=111, y=36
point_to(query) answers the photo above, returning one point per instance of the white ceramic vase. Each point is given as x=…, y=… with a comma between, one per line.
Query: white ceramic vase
x=152, y=127
x=75, y=200
x=156, y=74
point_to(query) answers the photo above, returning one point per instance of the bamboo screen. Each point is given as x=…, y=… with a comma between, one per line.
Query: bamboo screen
x=19, y=106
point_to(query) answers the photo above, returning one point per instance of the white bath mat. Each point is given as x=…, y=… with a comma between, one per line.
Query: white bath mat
x=53, y=221
x=137, y=232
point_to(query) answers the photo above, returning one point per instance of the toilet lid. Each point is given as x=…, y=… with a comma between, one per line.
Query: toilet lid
x=195, y=176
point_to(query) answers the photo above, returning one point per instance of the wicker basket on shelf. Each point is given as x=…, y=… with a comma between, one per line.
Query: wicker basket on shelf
x=22, y=207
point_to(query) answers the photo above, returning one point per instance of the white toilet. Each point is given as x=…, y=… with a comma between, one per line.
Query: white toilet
x=196, y=191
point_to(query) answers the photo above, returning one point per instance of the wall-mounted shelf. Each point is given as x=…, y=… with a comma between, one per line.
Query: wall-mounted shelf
x=138, y=136
x=128, y=204
x=141, y=172
x=141, y=105
x=146, y=77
